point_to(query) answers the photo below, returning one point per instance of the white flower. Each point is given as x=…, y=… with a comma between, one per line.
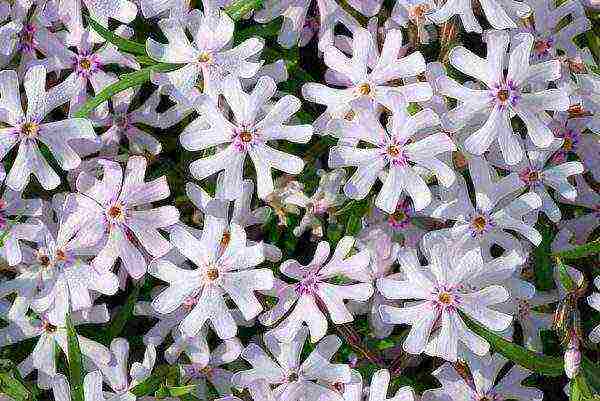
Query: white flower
x=295, y=380
x=483, y=382
x=504, y=95
x=248, y=135
x=225, y=265
x=441, y=292
x=29, y=129
x=209, y=55
x=367, y=75
x=401, y=148
x=315, y=293
x=500, y=13
x=594, y=301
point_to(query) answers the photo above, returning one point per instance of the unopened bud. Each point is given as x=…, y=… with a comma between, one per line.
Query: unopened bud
x=572, y=357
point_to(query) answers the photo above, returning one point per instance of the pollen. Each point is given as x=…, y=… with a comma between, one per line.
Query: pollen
x=115, y=212
x=30, y=129
x=393, y=150
x=212, y=273
x=503, y=95
x=246, y=136
x=445, y=298
x=479, y=223
x=364, y=89
x=85, y=64
x=204, y=57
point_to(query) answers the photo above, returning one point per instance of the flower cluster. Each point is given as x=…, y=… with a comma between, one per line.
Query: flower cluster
x=277, y=201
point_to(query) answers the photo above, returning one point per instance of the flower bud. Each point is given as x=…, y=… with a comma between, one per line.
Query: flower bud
x=572, y=357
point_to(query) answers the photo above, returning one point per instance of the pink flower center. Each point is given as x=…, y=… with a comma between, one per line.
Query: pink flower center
x=480, y=224
x=530, y=176
x=244, y=138
x=505, y=94
x=308, y=285
x=417, y=13
x=86, y=64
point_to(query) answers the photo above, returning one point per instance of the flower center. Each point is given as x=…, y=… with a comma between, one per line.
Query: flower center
x=479, y=223
x=61, y=255
x=445, y=298
x=308, y=285
x=530, y=177
x=543, y=46
x=116, y=212
x=85, y=64
x=393, y=150
x=523, y=308
x=568, y=144
x=349, y=116
x=43, y=260
x=364, y=89
x=204, y=57
x=246, y=136
x=503, y=95
x=292, y=377
x=30, y=129
x=212, y=273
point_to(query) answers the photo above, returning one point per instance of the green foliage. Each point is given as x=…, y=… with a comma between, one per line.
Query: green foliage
x=75, y=362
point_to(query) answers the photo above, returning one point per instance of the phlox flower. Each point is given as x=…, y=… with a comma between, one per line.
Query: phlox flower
x=16, y=227
x=442, y=297
x=224, y=265
x=115, y=371
x=368, y=74
x=114, y=210
x=498, y=210
x=315, y=293
x=293, y=379
x=504, y=95
x=399, y=149
x=248, y=135
x=483, y=382
x=53, y=337
x=209, y=56
x=378, y=389
x=213, y=371
x=501, y=14
x=28, y=129
x=594, y=301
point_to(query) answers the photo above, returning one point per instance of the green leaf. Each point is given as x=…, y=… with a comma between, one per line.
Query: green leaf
x=545, y=365
x=591, y=371
x=153, y=383
x=241, y=8
x=126, y=81
x=579, y=389
x=542, y=259
x=581, y=251
x=118, y=322
x=125, y=45
x=75, y=362
x=177, y=391
x=564, y=277
x=11, y=384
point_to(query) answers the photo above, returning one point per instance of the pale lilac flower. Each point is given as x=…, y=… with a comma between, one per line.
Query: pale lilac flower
x=549, y=35
x=242, y=213
x=504, y=95
x=483, y=383
x=326, y=198
x=249, y=134
x=115, y=371
x=441, y=291
x=383, y=253
x=589, y=98
x=572, y=356
x=499, y=13
x=14, y=228
x=27, y=129
x=200, y=374
x=122, y=124
x=401, y=148
x=25, y=33
x=209, y=56
x=594, y=301
x=576, y=231
x=92, y=387
x=70, y=12
x=316, y=293
x=378, y=389
x=368, y=74
x=497, y=211
x=53, y=337
x=64, y=278
x=532, y=321
x=295, y=380
x=298, y=28
x=115, y=211
x=178, y=9
x=537, y=174
x=577, y=141
x=87, y=67
x=224, y=266
x=405, y=226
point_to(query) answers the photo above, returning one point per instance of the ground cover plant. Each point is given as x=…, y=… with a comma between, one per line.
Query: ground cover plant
x=298, y=200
